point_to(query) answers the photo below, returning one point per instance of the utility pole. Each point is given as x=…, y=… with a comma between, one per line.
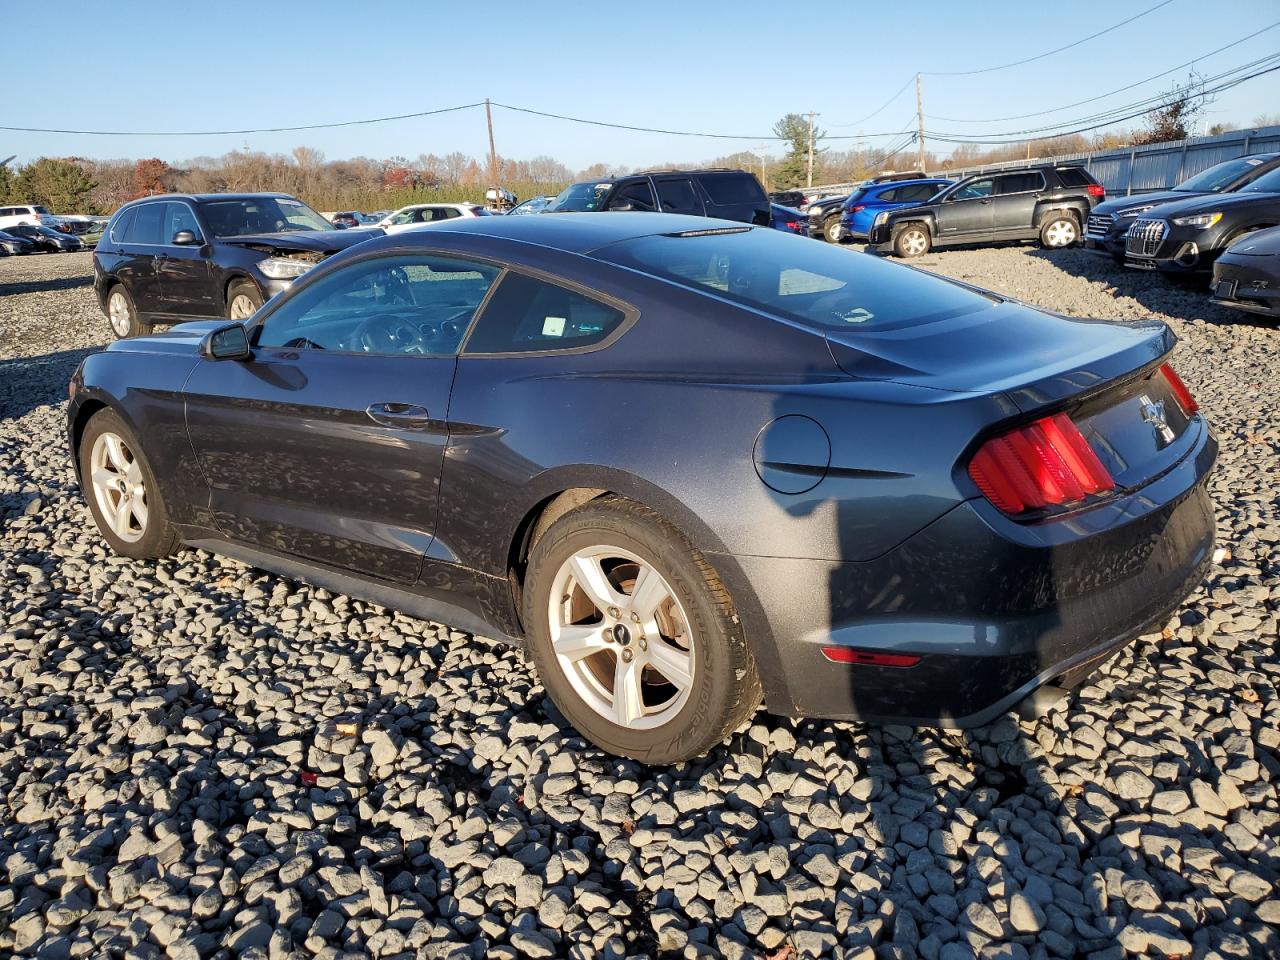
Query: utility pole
x=919, y=126
x=764, y=173
x=493, y=157
x=811, y=116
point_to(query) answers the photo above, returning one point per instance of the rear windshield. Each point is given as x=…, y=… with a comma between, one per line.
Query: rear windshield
x=1220, y=176
x=732, y=187
x=818, y=285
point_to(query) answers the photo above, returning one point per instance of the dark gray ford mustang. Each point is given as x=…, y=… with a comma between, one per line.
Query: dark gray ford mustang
x=690, y=464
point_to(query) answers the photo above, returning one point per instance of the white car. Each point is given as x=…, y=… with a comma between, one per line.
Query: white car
x=31, y=213
x=424, y=214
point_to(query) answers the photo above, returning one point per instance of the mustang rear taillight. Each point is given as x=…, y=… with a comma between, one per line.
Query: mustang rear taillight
x=1096, y=190
x=1047, y=463
x=1185, y=400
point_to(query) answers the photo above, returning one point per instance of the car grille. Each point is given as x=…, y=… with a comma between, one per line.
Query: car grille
x=1143, y=239
x=1099, y=224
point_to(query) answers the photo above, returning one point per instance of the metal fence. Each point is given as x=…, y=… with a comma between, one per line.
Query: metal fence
x=1156, y=166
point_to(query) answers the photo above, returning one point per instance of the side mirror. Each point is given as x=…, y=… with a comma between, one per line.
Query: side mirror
x=230, y=342
x=185, y=238
x=622, y=205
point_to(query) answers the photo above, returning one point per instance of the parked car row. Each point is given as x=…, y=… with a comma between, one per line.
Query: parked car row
x=25, y=238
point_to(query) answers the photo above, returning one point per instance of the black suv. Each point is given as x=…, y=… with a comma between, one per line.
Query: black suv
x=1049, y=203
x=1109, y=223
x=1186, y=237
x=725, y=194
x=172, y=257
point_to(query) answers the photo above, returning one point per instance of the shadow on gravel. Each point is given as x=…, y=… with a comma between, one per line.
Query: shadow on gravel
x=44, y=286
x=30, y=382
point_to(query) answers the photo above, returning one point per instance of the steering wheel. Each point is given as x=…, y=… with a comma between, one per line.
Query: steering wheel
x=387, y=333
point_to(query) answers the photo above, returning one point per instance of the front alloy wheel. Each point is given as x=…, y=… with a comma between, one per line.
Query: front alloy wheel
x=118, y=487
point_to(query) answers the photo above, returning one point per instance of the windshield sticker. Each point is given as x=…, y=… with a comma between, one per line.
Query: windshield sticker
x=553, y=327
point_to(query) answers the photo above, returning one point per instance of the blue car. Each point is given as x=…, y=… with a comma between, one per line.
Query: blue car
x=784, y=218
x=865, y=202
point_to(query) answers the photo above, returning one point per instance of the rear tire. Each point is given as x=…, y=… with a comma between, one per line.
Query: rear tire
x=911, y=241
x=122, y=316
x=243, y=300
x=1059, y=232
x=664, y=685
x=121, y=491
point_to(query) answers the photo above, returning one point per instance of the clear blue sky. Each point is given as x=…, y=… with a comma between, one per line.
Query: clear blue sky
x=720, y=67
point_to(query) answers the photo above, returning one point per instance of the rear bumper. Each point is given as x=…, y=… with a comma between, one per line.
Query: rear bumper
x=994, y=610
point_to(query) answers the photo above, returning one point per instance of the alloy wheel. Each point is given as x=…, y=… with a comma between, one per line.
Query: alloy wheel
x=242, y=308
x=118, y=313
x=914, y=243
x=118, y=487
x=1061, y=233
x=621, y=637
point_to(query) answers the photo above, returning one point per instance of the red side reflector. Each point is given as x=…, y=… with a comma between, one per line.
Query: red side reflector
x=1185, y=400
x=868, y=657
x=1097, y=190
x=1042, y=464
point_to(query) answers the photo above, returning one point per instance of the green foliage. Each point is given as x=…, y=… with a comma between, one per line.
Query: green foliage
x=61, y=185
x=6, y=185
x=794, y=168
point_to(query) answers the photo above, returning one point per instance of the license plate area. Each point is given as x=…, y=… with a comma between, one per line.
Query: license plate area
x=1225, y=289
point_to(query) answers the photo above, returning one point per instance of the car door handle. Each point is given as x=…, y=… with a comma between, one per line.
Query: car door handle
x=404, y=415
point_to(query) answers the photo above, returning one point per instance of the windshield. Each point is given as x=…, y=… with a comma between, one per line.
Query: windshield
x=1218, y=177
x=1267, y=183
x=239, y=218
x=814, y=284
x=579, y=198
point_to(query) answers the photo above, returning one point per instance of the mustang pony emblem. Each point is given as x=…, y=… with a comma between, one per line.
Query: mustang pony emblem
x=1153, y=413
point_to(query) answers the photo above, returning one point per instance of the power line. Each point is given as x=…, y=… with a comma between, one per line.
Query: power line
x=1114, y=115
x=1103, y=96
x=879, y=109
x=953, y=138
x=1041, y=56
x=218, y=133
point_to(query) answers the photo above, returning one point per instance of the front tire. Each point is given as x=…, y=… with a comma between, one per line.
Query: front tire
x=121, y=490
x=634, y=636
x=122, y=316
x=911, y=241
x=831, y=230
x=243, y=300
x=1059, y=232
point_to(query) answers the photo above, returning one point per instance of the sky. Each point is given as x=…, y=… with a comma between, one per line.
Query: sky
x=718, y=67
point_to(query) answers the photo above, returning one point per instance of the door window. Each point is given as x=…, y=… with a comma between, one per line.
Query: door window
x=447, y=213
x=679, y=196
x=419, y=305
x=179, y=218
x=974, y=190
x=147, y=224
x=638, y=194
x=1020, y=183
x=526, y=315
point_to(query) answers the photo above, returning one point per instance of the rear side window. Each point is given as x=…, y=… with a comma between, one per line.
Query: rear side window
x=1074, y=177
x=919, y=193
x=120, y=229
x=527, y=315
x=732, y=187
x=1020, y=182
x=147, y=224
x=678, y=196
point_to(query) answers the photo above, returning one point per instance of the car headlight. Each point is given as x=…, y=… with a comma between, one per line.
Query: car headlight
x=1200, y=220
x=1133, y=211
x=283, y=268
x=881, y=218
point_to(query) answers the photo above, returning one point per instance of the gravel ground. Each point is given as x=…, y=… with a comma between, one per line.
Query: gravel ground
x=198, y=758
